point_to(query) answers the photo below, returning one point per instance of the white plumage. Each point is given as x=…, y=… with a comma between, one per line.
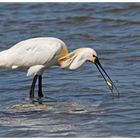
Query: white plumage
x=32, y=54
x=37, y=54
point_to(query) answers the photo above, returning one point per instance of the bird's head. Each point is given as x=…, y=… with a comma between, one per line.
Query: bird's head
x=92, y=57
x=79, y=56
x=89, y=54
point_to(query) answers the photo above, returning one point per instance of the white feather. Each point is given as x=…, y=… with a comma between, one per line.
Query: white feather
x=32, y=53
x=36, y=54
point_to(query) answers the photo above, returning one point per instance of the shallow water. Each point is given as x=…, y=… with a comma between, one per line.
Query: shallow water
x=77, y=103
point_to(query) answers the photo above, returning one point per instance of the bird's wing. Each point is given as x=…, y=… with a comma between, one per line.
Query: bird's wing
x=37, y=52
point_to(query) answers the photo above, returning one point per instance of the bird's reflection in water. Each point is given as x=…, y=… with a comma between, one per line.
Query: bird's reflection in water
x=57, y=105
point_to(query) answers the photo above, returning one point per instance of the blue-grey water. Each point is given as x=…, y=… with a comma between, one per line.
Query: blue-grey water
x=77, y=103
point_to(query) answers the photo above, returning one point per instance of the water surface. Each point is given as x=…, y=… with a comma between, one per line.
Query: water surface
x=77, y=103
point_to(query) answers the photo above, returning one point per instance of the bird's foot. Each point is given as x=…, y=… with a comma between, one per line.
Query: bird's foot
x=36, y=100
x=40, y=94
x=39, y=100
x=31, y=94
x=32, y=99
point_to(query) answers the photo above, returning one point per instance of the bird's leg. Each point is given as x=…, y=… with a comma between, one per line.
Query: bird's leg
x=33, y=87
x=40, y=93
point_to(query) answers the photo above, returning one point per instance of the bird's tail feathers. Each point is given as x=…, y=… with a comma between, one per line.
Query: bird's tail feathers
x=4, y=59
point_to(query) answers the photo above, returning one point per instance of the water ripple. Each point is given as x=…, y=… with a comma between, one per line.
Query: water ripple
x=76, y=103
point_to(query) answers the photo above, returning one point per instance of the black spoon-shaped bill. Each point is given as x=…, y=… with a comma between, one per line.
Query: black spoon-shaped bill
x=109, y=83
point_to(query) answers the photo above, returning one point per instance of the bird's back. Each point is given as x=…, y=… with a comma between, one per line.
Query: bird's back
x=35, y=51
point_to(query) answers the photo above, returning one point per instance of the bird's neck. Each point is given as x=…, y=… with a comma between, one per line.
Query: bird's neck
x=62, y=56
x=65, y=60
x=73, y=60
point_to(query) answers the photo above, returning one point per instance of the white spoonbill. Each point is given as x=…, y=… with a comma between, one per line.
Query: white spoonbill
x=37, y=54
